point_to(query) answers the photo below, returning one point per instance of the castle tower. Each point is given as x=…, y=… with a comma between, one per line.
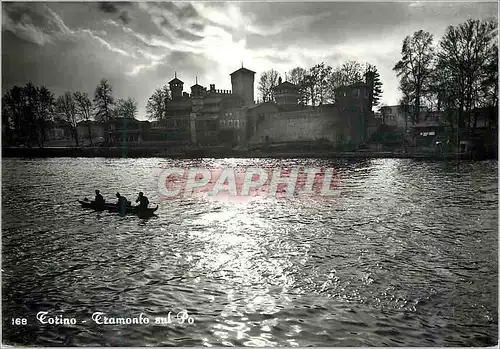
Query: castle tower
x=176, y=87
x=354, y=104
x=286, y=95
x=242, y=83
x=197, y=94
x=197, y=90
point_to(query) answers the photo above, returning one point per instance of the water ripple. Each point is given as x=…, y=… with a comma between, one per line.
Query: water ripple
x=406, y=256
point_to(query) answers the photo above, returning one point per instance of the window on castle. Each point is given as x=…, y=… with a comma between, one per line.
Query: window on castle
x=230, y=123
x=223, y=123
x=366, y=93
x=237, y=123
x=356, y=93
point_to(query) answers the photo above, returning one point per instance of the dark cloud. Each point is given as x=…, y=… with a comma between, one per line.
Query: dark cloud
x=183, y=34
x=22, y=12
x=112, y=7
x=33, y=63
x=179, y=16
x=125, y=18
x=138, y=46
x=164, y=22
x=181, y=10
x=33, y=22
x=198, y=26
x=116, y=7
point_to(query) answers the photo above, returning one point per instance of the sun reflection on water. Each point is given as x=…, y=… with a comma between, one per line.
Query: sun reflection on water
x=238, y=255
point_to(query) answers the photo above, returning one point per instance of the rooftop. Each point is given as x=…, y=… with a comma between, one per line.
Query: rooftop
x=286, y=84
x=175, y=80
x=243, y=71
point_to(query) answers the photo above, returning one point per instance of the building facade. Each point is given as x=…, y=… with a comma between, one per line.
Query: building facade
x=205, y=116
x=231, y=117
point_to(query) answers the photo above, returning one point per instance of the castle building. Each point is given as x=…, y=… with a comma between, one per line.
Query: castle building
x=242, y=81
x=196, y=118
x=176, y=87
x=286, y=95
x=354, y=103
x=347, y=121
x=231, y=117
x=177, y=123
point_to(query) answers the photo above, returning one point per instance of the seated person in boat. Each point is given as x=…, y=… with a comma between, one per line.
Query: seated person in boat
x=143, y=201
x=99, y=200
x=122, y=202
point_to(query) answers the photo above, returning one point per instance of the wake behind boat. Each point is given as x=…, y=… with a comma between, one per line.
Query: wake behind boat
x=129, y=209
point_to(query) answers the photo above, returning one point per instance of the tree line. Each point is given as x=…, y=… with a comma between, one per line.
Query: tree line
x=454, y=76
x=27, y=110
x=459, y=74
x=318, y=84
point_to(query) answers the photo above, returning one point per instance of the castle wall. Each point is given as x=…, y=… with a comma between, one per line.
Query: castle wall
x=301, y=125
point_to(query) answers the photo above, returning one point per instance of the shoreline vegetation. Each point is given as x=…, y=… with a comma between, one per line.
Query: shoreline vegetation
x=195, y=153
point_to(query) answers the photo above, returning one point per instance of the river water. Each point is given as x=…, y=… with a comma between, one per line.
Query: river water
x=406, y=255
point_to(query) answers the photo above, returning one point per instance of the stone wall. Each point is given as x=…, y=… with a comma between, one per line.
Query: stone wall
x=301, y=125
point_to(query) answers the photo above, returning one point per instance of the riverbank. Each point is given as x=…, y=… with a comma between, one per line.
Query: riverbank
x=146, y=152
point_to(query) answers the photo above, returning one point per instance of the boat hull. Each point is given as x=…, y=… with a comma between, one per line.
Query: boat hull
x=114, y=208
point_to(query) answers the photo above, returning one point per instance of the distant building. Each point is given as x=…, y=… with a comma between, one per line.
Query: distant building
x=394, y=116
x=231, y=117
x=354, y=104
x=129, y=130
x=286, y=95
x=200, y=117
x=348, y=121
x=88, y=130
x=58, y=129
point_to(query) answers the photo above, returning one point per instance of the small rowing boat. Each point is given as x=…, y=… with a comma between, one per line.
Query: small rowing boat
x=148, y=212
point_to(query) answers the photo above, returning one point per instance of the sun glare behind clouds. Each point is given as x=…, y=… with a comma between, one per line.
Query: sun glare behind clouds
x=139, y=46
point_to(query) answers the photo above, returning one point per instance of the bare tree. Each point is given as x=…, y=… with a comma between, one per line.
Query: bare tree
x=320, y=76
x=156, y=107
x=103, y=101
x=27, y=110
x=315, y=85
x=66, y=108
x=45, y=103
x=467, y=54
x=415, y=68
x=126, y=108
x=13, y=103
x=84, y=110
x=30, y=97
x=297, y=77
x=268, y=81
x=349, y=73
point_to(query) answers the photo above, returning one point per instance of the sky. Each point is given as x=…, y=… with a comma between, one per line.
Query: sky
x=138, y=46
